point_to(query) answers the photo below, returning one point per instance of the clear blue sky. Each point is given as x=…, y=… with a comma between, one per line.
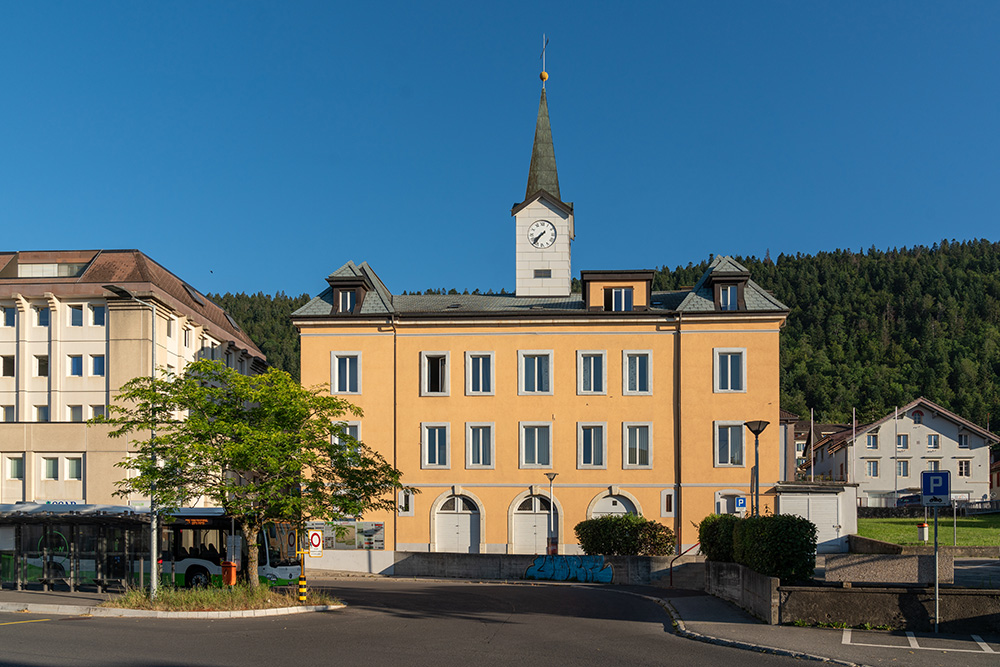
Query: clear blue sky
x=257, y=146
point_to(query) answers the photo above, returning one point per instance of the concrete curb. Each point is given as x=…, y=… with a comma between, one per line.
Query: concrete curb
x=74, y=610
x=681, y=629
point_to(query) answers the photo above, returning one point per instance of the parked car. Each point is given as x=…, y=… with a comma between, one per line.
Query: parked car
x=909, y=501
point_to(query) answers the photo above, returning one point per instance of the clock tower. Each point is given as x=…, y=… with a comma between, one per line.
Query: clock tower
x=543, y=221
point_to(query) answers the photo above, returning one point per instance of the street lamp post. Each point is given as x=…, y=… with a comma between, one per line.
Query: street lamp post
x=153, y=523
x=756, y=427
x=553, y=540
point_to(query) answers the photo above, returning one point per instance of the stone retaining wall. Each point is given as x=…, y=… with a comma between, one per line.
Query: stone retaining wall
x=755, y=592
x=889, y=568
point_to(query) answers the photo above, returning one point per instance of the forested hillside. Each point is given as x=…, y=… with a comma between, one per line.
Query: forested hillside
x=869, y=330
x=267, y=320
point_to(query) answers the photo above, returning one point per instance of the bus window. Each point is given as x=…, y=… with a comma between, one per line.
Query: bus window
x=200, y=543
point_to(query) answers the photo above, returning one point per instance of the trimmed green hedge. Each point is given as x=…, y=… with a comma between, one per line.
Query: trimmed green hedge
x=782, y=546
x=624, y=535
x=715, y=532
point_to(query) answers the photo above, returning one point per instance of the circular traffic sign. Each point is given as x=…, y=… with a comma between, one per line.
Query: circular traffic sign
x=316, y=539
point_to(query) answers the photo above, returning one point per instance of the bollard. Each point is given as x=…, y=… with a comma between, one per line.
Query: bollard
x=302, y=588
x=922, y=531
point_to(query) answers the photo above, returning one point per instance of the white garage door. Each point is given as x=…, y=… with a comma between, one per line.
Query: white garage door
x=822, y=510
x=456, y=526
x=531, y=525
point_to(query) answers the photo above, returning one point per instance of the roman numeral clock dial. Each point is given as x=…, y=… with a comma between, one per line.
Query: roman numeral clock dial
x=542, y=234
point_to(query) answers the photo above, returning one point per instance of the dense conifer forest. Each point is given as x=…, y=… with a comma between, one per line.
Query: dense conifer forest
x=870, y=330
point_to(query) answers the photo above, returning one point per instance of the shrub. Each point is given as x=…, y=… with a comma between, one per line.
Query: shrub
x=782, y=546
x=624, y=535
x=715, y=532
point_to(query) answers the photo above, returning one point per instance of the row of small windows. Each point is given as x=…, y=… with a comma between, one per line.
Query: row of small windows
x=52, y=468
x=40, y=413
x=903, y=468
x=42, y=316
x=535, y=444
x=74, y=365
x=535, y=369
x=903, y=441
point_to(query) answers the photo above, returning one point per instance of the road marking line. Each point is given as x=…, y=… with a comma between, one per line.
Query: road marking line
x=36, y=620
x=912, y=640
x=847, y=636
x=983, y=645
x=922, y=648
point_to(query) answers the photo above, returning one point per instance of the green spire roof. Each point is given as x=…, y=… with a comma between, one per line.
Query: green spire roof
x=542, y=172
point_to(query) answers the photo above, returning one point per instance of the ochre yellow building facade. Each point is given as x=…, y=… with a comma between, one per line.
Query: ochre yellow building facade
x=637, y=400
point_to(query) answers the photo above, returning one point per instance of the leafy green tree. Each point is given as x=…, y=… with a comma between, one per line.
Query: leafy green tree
x=262, y=447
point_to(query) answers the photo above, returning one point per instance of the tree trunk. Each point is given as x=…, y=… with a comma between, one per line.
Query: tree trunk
x=250, y=533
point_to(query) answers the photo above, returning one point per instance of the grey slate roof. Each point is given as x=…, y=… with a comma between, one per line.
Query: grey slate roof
x=701, y=299
x=379, y=301
x=542, y=173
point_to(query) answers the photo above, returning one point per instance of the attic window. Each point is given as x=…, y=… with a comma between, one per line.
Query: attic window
x=347, y=301
x=918, y=417
x=232, y=321
x=53, y=270
x=193, y=293
x=454, y=305
x=618, y=299
x=729, y=297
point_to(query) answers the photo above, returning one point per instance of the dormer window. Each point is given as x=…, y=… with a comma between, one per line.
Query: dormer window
x=618, y=299
x=348, y=298
x=729, y=297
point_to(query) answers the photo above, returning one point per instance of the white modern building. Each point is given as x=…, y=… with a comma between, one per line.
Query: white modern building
x=885, y=458
x=74, y=327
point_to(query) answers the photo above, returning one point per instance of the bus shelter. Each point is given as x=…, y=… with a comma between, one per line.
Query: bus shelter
x=73, y=545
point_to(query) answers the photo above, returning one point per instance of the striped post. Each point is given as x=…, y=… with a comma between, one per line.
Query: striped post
x=302, y=588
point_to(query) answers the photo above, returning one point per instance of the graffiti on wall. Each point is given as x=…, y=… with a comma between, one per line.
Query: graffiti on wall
x=585, y=569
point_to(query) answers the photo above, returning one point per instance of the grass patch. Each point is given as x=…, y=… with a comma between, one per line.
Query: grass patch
x=973, y=531
x=238, y=598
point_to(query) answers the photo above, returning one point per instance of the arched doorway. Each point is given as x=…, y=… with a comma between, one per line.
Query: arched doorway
x=456, y=525
x=613, y=506
x=530, y=527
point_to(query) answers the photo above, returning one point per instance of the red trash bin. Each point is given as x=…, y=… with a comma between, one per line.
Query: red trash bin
x=228, y=573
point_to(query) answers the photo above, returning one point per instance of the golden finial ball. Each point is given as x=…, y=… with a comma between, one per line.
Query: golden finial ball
x=543, y=76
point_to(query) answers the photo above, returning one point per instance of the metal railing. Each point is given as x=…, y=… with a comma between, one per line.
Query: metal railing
x=675, y=558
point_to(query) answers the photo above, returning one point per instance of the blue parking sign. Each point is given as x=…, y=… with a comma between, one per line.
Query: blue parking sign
x=935, y=488
x=741, y=502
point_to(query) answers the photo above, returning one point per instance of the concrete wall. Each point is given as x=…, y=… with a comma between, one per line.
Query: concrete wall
x=584, y=569
x=865, y=545
x=962, y=611
x=886, y=568
x=751, y=590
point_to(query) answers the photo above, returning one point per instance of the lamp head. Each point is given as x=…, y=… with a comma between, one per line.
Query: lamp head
x=757, y=427
x=551, y=475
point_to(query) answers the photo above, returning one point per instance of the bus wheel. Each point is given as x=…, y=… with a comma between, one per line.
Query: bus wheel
x=197, y=577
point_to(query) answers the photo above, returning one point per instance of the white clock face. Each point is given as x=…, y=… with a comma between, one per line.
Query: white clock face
x=542, y=234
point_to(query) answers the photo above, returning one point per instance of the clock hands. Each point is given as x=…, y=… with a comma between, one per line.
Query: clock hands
x=535, y=240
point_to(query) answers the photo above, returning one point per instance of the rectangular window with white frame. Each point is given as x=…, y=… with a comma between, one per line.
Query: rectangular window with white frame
x=479, y=445
x=933, y=441
x=41, y=365
x=42, y=316
x=345, y=372
x=872, y=441
x=729, y=297
x=479, y=373
x=76, y=316
x=97, y=365
x=637, y=372
x=50, y=468
x=98, y=411
x=404, y=502
x=7, y=366
x=963, y=440
x=903, y=468
x=730, y=369
x=667, y=503
x=434, y=373
x=75, y=413
x=74, y=468
x=536, y=445
x=534, y=369
x=592, y=446
x=434, y=445
x=348, y=298
x=76, y=365
x=637, y=445
x=903, y=441
x=7, y=413
x=349, y=436
x=871, y=468
x=41, y=413
x=934, y=465
x=187, y=337
x=729, y=444
x=15, y=468
x=965, y=468
x=9, y=316
x=591, y=372
x=618, y=299
x=98, y=315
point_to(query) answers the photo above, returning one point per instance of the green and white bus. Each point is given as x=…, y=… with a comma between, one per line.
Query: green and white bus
x=109, y=544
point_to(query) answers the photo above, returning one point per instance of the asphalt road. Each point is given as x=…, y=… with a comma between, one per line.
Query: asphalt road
x=387, y=623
